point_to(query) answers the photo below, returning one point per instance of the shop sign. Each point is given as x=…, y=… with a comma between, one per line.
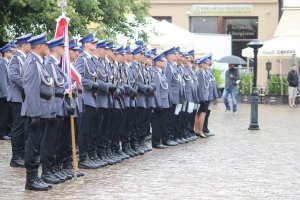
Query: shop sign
x=221, y=9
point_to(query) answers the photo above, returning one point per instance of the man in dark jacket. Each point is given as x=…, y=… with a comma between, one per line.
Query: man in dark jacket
x=293, y=80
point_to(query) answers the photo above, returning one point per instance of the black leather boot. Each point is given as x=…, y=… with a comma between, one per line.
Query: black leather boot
x=144, y=146
x=131, y=150
x=136, y=147
x=126, y=149
x=114, y=155
x=102, y=155
x=33, y=182
x=85, y=163
x=93, y=156
x=48, y=177
x=67, y=168
x=121, y=153
x=17, y=160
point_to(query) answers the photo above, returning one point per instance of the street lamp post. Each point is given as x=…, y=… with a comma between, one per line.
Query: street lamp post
x=255, y=45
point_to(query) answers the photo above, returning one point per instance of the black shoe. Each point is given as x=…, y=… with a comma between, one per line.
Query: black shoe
x=48, y=177
x=85, y=163
x=112, y=156
x=179, y=141
x=17, y=160
x=102, y=154
x=33, y=182
x=184, y=140
x=93, y=156
x=5, y=137
x=148, y=138
x=126, y=149
x=159, y=146
x=136, y=147
x=169, y=142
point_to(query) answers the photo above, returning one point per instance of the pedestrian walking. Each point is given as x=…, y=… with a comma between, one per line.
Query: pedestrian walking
x=293, y=79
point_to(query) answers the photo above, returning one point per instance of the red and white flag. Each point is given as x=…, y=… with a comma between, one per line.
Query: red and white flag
x=70, y=71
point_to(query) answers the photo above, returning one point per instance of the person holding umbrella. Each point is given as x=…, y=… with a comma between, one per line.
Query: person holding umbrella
x=232, y=78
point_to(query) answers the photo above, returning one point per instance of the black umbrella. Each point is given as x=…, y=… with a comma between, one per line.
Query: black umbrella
x=232, y=60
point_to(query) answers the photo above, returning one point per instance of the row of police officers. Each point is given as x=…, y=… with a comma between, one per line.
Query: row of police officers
x=120, y=97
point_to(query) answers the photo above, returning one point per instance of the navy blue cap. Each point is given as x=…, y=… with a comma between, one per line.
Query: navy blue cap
x=170, y=51
x=153, y=51
x=148, y=55
x=38, y=39
x=73, y=44
x=6, y=48
x=88, y=38
x=185, y=54
x=120, y=50
x=80, y=50
x=127, y=49
x=13, y=44
x=192, y=53
x=209, y=56
x=109, y=45
x=55, y=42
x=177, y=50
x=159, y=57
x=137, y=50
x=23, y=39
x=203, y=60
x=101, y=44
x=139, y=43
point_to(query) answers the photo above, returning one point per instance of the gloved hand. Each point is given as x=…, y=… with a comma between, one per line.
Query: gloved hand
x=112, y=87
x=95, y=87
x=134, y=93
x=35, y=122
x=153, y=86
x=116, y=93
x=158, y=109
x=70, y=110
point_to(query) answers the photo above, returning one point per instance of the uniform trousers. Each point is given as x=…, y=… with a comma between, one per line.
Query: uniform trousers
x=52, y=132
x=172, y=123
x=104, y=140
x=4, y=116
x=145, y=123
x=130, y=126
x=18, y=128
x=158, y=126
x=33, y=137
x=140, y=115
x=114, y=127
x=96, y=130
x=63, y=142
x=85, y=128
x=123, y=131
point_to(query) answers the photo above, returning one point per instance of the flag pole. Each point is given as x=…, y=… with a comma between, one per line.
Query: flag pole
x=62, y=4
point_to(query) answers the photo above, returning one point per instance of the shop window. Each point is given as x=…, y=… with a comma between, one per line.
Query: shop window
x=204, y=24
x=242, y=28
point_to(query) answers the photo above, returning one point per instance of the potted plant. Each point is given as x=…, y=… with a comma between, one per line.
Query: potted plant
x=277, y=90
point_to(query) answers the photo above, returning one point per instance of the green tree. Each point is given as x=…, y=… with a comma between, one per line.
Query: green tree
x=105, y=17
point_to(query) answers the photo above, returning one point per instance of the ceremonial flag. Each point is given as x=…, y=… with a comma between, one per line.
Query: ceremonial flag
x=62, y=30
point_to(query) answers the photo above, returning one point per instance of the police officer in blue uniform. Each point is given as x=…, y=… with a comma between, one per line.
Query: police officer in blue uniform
x=15, y=97
x=87, y=69
x=51, y=167
x=39, y=90
x=203, y=94
x=129, y=126
x=213, y=94
x=6, y=52
x=162, y=103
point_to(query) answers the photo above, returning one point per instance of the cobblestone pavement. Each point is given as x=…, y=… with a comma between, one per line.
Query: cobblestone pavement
x=234, y=164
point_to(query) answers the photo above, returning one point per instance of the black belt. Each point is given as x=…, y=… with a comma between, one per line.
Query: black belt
x=59, y=95
x=45, y=97
x=79, y=91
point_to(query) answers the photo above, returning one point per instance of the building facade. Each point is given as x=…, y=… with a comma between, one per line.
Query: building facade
x=244, y=20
